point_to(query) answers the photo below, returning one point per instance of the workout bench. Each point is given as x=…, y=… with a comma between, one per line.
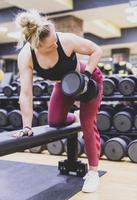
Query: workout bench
x=43, y=135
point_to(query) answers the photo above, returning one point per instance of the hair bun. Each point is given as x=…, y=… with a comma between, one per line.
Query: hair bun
x=28, y=20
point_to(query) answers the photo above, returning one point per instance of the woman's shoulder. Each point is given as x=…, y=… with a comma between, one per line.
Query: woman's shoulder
x=25, y=54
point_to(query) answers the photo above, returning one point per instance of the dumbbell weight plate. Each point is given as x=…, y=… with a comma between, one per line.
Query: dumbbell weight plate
x=115, y=149
x=132, y=151
x=3, y=117
x=103, y=121
x=108, y=87
x=55, y=148
x=43, y=118
x=15, y=118
x=37, y=149
x=122, y=122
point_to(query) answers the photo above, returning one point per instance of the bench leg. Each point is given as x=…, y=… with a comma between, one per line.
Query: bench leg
x=71, y=164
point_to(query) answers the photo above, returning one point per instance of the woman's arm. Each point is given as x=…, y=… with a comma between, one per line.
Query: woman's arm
x=86, y=47
x=26, y=93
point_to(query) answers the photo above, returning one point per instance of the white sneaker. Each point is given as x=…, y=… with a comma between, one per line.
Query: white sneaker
x=91, y=182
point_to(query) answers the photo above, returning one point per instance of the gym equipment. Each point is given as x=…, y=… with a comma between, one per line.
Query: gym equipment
x=75, y=85
x=43, y=118
x=35, y=119
x=127, y=86
x=15, y=118
x=9, y=90
x=50, y=88
x=132, y=151
x=80, y=147
x=110, y=85
x=104, y=117
x=43, y=135
x=127, y=140
x=115, y=149
x=103, y=139
x=39, y=89
x=3, y=117
x=56, y=147
x=123, y=121
x=37, y=149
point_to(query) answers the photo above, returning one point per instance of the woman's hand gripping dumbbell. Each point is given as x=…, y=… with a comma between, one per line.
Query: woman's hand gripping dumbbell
x=80, y=86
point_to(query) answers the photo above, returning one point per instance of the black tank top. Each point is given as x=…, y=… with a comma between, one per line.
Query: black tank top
x=64, y=65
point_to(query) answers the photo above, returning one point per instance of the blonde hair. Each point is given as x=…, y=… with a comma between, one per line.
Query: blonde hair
x=34, y=27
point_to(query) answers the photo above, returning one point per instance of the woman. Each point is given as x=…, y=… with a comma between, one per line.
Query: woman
x=53, y=54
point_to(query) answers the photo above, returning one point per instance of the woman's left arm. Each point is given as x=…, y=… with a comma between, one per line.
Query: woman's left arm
x=86, y=47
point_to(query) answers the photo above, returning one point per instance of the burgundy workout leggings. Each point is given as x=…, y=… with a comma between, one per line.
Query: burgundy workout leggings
x=60, y=105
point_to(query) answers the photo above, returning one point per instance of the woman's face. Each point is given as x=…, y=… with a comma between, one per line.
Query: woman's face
x=49, y=43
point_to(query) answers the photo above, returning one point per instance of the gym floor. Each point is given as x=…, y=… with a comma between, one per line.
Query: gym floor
x=120, y=181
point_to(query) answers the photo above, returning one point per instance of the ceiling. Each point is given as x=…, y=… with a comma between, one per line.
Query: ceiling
x=114, y=18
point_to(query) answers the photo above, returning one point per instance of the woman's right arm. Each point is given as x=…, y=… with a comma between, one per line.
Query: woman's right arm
x=26, y=92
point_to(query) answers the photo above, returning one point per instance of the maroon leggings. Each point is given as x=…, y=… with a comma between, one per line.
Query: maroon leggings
x=59, y=115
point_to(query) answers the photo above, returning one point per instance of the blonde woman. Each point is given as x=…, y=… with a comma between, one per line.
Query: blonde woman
x=53, y=54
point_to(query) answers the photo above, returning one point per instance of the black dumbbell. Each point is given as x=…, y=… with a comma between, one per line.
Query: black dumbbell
x=39, y=89
x=56, y=147
x=127, y=86
x=9, y=90
x=110, y=85
x=74, y=84
x=123, y=121
x=35, y=119
x=115, y=149
x=43, y=118
x=3, y=117
x=50, y=88
x=15, y=118
x=132, y=151
x=104, y=117
x=103, y=139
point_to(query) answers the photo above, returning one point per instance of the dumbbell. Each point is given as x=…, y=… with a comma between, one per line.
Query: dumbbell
x=3, y=117
x=74, y=85
x=104, y=117
x=115, y=149
x=50, y=88
x=15, y=118
x=56, y=147
x=43, y=118
x=9, y=90
x=80, y=147
x=127, y=140
x=110, y=85
x=123, y=121
x=103, y=139
x=127, y=86
x=132, y=151
x=39, y=89
x=35, y=119
x=37, y=149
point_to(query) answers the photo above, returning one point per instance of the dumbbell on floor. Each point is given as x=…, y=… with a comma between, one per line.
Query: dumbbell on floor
x=37, y=149
x=56, y=147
